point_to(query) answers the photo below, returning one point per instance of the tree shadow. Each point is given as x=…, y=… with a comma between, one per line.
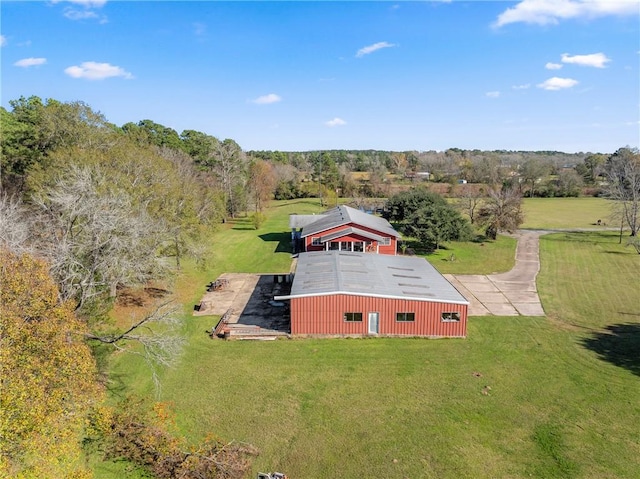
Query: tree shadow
x=480, y=238
x=261, y=310
x=618, y=344
x=283, y=240
x=311, y=201
x=240, y=223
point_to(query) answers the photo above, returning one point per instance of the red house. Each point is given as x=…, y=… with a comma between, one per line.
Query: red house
x=348, y=293
x=343, y=229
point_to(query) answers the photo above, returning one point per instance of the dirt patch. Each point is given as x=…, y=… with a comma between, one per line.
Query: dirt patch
x=140, y=297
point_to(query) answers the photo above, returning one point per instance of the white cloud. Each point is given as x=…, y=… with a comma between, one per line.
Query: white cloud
x=336, y=122
x=553, y=66
x=556, y=83
x=30, y=62
x=3, y=40
x=85, y=3
x=596, y=60
x=267, y=99
x=97, y=71
x=73, y=14
x=492, y=94
x=521, y=87
x=550, y=12
x=372, y=48
x=199, y=29
x=85, y=11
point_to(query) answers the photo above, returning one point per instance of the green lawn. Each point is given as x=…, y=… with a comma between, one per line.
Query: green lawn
x=561, y=213
x=487, y=257
x=520, y=397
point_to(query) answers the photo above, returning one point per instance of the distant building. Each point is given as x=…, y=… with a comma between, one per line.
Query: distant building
x=346, y=293
x=343, y=229
x=422, y=175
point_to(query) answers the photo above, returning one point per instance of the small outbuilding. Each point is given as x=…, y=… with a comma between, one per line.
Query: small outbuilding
x=348, y=293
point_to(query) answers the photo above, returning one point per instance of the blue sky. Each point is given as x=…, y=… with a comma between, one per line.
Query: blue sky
x=523, y=75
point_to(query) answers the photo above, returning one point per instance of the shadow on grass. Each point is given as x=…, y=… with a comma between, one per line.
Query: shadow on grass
x=583, y=236
x=482, y=239
x=618, y=344
x=311, y=201
x=283, y=239
x=241, y=224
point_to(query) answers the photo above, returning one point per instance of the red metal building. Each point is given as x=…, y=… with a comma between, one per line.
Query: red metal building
x=343, y=229
x=340, y=293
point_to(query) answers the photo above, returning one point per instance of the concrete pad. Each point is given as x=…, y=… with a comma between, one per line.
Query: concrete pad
x=513, y=286
x=522, y=297
x=510, y=293
x=485, y=298
x=471, y=278
x=501, y=309
x=475, y=308
x=529, y=309
x=486, y=287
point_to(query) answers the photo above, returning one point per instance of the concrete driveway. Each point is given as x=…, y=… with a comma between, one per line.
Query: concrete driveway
x=507, y=294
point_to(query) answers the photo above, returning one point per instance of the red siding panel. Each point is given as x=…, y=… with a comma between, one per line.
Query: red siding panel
x=324, y=315
x=388, y=249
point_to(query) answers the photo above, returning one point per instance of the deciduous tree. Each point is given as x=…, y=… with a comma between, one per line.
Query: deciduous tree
x=48, y=380
x=501, y=212
x=229, y=165
x=532, y=171
x=34, y=128
x=16, y=225
x=623, y=175
x=428, y=217
x=436, y=223
x=95, y=236
x=261, y=183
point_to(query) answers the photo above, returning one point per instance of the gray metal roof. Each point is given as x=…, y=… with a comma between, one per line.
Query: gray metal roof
x=324, y=273
x=348, y=231
x=342, y=215
x=301, y=221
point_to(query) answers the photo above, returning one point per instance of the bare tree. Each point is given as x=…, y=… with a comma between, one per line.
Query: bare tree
x=155, y=337
x=229, y=165
x=623, y=175
x=469, y=199
x=501, y=211
x=15, y=225
x=94, y=237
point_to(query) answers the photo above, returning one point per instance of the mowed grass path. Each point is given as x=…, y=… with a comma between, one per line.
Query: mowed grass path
x=520, y=397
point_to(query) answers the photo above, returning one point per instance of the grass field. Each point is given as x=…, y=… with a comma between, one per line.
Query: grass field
x=520, y=397
x=562, y=213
